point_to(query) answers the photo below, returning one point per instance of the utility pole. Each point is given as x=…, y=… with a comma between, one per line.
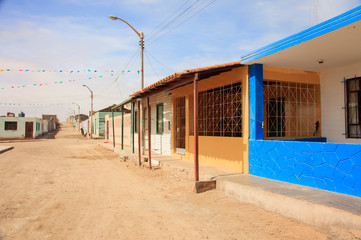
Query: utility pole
x=141, y=36
x=91, y=113
x=315, y=11
x=141, y=43
x=78, y=120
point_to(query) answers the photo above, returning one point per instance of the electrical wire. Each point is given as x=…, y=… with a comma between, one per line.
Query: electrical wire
x=151, y=66
x=152, y=32
x=129, y=61
x=173, y=20
x=152, y=41
x=170, y=70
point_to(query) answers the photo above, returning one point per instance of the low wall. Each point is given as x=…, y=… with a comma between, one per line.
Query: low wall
x=329, y=166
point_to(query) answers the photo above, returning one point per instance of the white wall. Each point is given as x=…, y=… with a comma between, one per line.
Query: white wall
x=39, y=131
x=161, y=143
x=20, y=132
x=332, y=102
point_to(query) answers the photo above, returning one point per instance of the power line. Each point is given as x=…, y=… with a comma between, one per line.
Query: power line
x=151, y=66
x=173, y=20
x=182, y=22
x=151, y=33
x=171, y=70
x=129, y=61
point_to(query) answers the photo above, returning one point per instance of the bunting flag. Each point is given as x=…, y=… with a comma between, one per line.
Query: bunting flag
x=63, y=71
x=30, y=104
x=46, y=84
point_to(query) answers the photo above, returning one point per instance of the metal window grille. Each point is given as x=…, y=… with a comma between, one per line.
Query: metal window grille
x=220, y=112
x=180, y=115
x=291, y=109
x=353, y=108
x=11, y=126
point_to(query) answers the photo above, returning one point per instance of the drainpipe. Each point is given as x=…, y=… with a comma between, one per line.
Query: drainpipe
x=195, y=124
x=113, y=128
x=139, y=143
x=149, y=137
x=122, y=127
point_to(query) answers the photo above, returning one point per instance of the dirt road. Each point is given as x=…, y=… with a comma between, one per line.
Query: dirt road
x=70, y=188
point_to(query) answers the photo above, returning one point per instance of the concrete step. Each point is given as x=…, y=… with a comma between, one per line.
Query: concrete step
x=5, y=148
x=308, y=205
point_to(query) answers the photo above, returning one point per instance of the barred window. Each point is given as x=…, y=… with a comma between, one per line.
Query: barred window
x=11, y=126
x=291, y=109
x=220, y=112
x=353, y=108
x=135, y=117
x=159, y=118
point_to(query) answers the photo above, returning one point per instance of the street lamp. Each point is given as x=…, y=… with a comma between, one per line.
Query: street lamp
x=141, y=36
x=74, y=113
x=91, y=119
x=78, y=124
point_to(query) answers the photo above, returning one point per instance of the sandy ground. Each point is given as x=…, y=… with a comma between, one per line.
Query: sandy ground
x=70, y=188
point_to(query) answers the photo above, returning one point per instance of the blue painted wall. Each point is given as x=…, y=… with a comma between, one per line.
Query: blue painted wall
x=330, y=166
x=256, y=101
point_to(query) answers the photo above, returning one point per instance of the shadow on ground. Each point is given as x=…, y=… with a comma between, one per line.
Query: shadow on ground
x=50, y=135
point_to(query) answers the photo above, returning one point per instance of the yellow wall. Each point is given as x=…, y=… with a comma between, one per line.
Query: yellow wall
x=225, y=152
x=287, y=75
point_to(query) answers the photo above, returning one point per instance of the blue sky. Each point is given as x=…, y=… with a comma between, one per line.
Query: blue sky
x=77, y=35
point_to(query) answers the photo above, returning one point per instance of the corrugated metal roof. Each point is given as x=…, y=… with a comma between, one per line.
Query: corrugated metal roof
x=122, y=103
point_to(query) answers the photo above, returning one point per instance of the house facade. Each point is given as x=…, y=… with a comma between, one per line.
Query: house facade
x=290, y=111
x=120, y=132
x=98, y=121
x=160, y=109
x=307, y=129
x=52, y=121
x=222, y=103
x=21, y=127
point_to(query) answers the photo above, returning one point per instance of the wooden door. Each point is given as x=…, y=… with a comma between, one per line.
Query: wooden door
x=29, y=129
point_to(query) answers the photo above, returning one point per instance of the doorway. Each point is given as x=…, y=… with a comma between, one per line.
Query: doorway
x=29, y=129
x=107, y=130
x=180, y=115
x=276, y=117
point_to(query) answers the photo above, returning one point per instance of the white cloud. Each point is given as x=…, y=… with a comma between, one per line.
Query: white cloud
x=78, y=34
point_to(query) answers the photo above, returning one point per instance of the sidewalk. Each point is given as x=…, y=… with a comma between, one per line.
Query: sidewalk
x=5, y=148
x=308, y=205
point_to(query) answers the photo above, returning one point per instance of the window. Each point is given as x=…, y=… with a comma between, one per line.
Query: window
x=353, y=107
x=135, y=117
x=219, y=112
x=159, y=118
x=11, y=126
x=291, y=109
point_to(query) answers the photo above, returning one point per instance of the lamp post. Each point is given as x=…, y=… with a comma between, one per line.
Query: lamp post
x=78, y=121
x=141, y=36
x=91, y=118
x=74, y=113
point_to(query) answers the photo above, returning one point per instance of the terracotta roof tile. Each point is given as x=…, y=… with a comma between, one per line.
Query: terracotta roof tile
x=178, y=75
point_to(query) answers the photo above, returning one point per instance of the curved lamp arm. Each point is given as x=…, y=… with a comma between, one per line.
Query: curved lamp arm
x=116, y=18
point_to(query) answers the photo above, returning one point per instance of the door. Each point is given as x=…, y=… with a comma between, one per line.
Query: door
x=107, y=130
x=29, y=129
x=145, y=144
x=180, y=122
x=276, y=117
